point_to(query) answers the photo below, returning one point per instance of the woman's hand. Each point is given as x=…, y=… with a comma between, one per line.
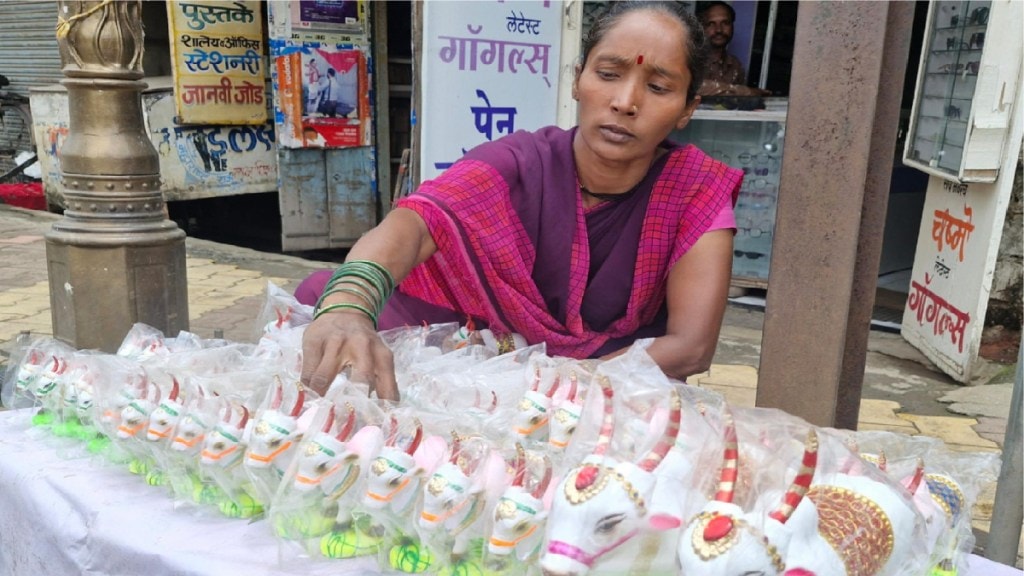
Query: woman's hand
x=346, y=340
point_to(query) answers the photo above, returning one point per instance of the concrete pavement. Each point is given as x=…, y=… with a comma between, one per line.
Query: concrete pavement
x=902, y=391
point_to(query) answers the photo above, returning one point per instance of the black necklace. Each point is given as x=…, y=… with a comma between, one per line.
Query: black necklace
x=614, y=197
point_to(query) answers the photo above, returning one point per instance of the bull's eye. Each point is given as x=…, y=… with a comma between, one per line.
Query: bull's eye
x=218, y=445
x=609, y=523
x=321, y=467
x=190, y=434
x=522, y=527
x=570, y=430
x=275, y=443
x=394, y=481
x=162, y=422
x=449, y=504
x=535, y=419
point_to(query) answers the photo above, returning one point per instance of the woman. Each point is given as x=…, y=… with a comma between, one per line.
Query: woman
x=585, y=239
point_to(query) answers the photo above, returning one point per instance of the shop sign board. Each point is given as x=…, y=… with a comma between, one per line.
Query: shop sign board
x=488, y=70
x=217, y=59
x=957, y=245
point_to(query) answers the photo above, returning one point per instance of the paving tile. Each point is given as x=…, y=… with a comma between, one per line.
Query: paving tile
x=734, y=395
x=956, y=432
x=733, y=375
x=907, y=429
x=27, y=239
x=880, y=413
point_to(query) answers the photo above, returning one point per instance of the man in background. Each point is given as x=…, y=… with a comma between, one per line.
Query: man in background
x=340, y=92
x=724, y=75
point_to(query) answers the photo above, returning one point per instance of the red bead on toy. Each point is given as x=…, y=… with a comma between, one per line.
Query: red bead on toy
x=719, y=527
x=586, y=476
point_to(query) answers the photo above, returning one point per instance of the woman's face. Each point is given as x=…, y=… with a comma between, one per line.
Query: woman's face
x=641, y=62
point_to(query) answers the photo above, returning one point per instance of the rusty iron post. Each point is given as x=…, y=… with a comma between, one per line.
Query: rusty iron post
x=114, y=259
x=848, y=66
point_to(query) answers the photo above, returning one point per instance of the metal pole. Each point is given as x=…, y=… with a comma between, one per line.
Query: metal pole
x=773, y=12
x=114, y=259
x=1008, y=508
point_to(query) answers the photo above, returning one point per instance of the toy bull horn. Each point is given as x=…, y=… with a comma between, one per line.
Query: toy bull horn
x=520, y=467
x=415, y=439
x=554, y=386
x=571, y=397
x=915, y=482
x=536, y=378
x=349, y=425
x=456, y=449
x=542, y=486
x=730, y=469
x=604, y=437
x=330, y=420
x=245, y=418
x=175, y=389
x=802, y=481
x=275, y=402
x=668, y=437
x=300, y=400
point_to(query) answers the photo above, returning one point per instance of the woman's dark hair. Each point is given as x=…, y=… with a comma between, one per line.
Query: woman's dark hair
x=696, y=50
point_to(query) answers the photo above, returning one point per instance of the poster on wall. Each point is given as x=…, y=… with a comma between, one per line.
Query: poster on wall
x=328, y=14
x=217, y=60
x=498, y=64
x=323, y=95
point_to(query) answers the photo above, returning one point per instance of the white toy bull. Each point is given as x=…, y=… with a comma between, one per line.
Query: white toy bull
x=327, y=463
x=532, y=414
x=519, y=518
x=394, y=479
x=458, y=494
x=616, y=517
x=845, y=525
x=164, y=418
x=565, y=416
x=275, y=433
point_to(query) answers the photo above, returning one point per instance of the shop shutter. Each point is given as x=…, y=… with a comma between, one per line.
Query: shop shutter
x=29, y=57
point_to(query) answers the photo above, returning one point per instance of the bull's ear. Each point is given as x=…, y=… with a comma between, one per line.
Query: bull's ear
x=661, y=522
x=541, y=516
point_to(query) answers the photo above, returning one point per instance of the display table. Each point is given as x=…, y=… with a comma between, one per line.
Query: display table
x=83, y=516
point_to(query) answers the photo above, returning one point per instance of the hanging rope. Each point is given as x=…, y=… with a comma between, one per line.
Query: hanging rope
x=64, y=26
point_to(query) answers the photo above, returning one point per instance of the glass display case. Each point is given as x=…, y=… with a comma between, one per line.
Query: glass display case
x=752, y=142
x=950, y=63
x=964, y=93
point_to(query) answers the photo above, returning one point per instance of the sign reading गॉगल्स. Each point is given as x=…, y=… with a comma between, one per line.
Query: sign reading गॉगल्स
x=217, y=55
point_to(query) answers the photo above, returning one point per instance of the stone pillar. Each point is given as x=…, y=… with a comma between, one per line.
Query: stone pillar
x=114, y=259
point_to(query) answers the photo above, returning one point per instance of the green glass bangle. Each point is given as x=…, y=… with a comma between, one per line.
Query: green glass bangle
x=359, y=293
x=349, y=306
x=375, y=279
x=384, y=271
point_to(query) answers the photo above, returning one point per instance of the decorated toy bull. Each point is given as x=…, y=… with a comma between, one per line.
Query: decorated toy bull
x=458, y=494
x=275, y=433
x=839, y=524
x=617, y=517
x=519, y=518
x=565, y=416
x=532, y=414
x=222, y=452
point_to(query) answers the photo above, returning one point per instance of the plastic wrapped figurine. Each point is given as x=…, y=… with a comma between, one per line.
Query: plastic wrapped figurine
x=825, y=523
x=518, y=519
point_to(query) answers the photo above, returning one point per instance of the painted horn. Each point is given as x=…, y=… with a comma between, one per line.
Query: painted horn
x=330, y=420
x=349, y=425
x=915, y=482
x=456, y=448
x=300, y=400
x=802, y=481
x=542, y=486
x=730, y=462
x=392, y=433
x=604, y=438
x=275, y=402
x=245, y=418
x=571, y=397
x=520, y=467
x=415, y=439
x=175, y=389
x=554, y=386
x=536, y=378
x=668, y=438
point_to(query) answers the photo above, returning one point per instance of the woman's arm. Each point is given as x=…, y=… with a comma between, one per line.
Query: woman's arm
x=697, y=294
x=346, y=338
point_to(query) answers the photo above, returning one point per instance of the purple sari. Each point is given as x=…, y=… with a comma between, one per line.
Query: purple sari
x=518, y=252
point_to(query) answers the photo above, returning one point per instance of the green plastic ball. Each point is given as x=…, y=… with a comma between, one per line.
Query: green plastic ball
x=410, y=558
x=241, y=506
x=349, y=543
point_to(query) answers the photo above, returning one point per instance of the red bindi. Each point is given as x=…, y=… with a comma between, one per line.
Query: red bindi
x=639, y=59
